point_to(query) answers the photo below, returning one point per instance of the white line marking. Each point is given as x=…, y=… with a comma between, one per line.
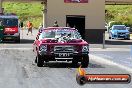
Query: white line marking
x=16, y=48
x=109, y=49
x=109, y=62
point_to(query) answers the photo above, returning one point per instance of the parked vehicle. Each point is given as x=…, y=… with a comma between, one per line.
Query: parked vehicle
x=11, y=28
x=119, y=31
x=60, y=44
x=129, y=29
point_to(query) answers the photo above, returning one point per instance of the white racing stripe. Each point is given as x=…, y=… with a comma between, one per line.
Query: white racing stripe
x=16, y=48
x=109, y=62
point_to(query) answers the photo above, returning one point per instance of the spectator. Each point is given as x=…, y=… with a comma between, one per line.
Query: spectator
x=21, y=24
x=68, y=25
x=29, y=26
x=55, y=24
x=40, y=27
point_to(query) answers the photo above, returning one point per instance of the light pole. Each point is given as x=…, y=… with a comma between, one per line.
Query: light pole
x=44, y=11
x=1, y=9
x=104, y=40
x=109, y=24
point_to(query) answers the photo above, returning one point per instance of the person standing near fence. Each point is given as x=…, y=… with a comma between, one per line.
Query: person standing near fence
x=21, y=25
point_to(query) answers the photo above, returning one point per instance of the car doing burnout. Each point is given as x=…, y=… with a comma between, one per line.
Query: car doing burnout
x=119, y=31
x=61, y=44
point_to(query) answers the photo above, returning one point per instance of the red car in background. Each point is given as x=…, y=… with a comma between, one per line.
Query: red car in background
x=60, y=44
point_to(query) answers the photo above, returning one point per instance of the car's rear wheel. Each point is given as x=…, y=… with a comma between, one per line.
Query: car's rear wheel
x=85, y=61
x=40, y=61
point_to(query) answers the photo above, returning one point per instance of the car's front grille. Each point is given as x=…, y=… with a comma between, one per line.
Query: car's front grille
x=63, y=49
x=121, y=33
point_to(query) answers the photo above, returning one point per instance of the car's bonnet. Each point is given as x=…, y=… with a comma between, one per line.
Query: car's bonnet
x=51, y=41
x=120, y=31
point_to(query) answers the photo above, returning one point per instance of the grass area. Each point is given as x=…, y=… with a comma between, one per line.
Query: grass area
x=122, y=14
x=25, y=11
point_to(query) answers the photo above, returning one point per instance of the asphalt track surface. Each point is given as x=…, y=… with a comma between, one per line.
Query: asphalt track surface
x=18, y=70
x=119, y=56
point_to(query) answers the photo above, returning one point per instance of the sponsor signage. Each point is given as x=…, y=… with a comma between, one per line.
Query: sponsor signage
x=76, y=1
x=82, y=78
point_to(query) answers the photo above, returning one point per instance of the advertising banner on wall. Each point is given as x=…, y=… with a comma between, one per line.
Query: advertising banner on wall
x=76, y=1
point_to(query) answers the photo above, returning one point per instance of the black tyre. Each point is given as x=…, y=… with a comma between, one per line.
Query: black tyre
x=85, y=61
x=109, y=35
x=40, y=61
x=75, y=61
x=128, y=38
x=17, y=40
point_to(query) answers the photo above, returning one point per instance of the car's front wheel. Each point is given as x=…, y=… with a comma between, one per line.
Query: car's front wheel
x=110, y=36
x=127, y=38
x=75, y=61
x=39, y=61
x=85, y=61
x=17, y=40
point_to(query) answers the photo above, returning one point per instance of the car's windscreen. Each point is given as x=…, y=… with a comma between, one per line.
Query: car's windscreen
x=9, y=22
x=119, y=27
x=60, y=33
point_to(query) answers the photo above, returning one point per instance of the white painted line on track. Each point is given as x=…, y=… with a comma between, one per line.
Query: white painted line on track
x=109, y=62
x=109, y=49
x=16, y=48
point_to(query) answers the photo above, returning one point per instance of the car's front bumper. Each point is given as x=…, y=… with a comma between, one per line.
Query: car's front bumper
x=11, y=37
x=121, y=36
x=62, y=54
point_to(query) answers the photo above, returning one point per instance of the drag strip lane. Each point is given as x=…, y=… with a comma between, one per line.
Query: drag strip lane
x=17, y=70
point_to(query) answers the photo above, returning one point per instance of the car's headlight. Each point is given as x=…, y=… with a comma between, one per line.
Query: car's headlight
x=85, y=49
x=115, y=33
x=127, y=33
x=16, y=34
x=43, y=48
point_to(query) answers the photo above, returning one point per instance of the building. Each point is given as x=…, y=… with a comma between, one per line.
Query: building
x=88, y=16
